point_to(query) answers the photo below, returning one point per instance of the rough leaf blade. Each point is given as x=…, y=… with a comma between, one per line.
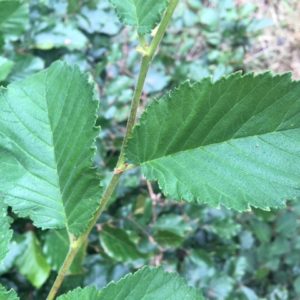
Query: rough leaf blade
x=143, y=15
x=235, y=142
x=146, y=284
x=46, y=137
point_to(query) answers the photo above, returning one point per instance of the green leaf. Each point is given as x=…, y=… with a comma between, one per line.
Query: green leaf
x=172, y=223
x=297, y=285
x=25, y=65
x=262, y=231
x=117, y=244
x=46, y=137
x=32, y=263
x=56, y=247
x=62, y=35
x=224, y=228
x=171, y=230
x=286, y=224
x=73, y=6
x=14, y=17
x=5, y=232
x=6, y=66
x=15, y=249
x=82, y=294
x=143, y=15
x=234, y=142
x=7, y=8
x=168, y=239
x=221, y=287
x=146, y=284
x=101, y=19
x=7, y=295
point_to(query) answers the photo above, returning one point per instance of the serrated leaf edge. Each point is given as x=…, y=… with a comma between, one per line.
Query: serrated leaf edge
x=188, y=196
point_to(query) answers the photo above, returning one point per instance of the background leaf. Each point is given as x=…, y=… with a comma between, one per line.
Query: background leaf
x=5, y=232
x=6, y=66
x=117, y=244
x=171, y=229
x=144, y=15
x=147, y=283
x=7, y=8
x=234, y=142
x=32, y=263
x=7, y=295
x=47, y=133
x=14, y=17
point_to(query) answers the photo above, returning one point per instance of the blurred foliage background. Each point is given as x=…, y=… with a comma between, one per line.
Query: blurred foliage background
x=228, y=255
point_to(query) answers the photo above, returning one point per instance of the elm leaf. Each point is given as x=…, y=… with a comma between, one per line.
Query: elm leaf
x=235, y=142
x=143, y=15
x=47, y=135
x=147, y=284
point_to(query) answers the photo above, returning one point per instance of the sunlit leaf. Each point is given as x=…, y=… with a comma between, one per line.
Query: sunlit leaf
x=32, y=263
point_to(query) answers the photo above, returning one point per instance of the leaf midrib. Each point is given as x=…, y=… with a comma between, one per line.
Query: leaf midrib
x=213, y=144
x=59, y=185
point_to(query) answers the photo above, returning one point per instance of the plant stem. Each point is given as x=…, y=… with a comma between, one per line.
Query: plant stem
x=63, y=270
x=148, y=54
x=75, y=244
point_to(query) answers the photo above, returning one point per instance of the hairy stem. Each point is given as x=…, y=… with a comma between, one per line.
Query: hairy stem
x=148, y=54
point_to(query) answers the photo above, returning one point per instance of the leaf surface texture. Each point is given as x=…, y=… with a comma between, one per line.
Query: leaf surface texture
x=46, y=137
x=235, y=142
x=143, y=15
x=145, y=284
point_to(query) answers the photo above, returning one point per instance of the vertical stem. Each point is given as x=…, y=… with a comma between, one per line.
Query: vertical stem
x=145, y=64
x=134, y=106
x=148, y=55
x=63, y=270
x=77, y=243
